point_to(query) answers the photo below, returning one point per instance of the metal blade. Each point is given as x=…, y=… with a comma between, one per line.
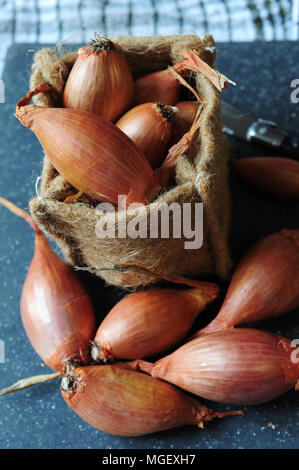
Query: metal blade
x=236, y=122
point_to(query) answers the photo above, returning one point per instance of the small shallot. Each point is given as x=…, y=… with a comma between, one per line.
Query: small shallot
x=276, y=176
x=240, y=366
x=125, y=402
x=265, y=284
x=57, y=312
x=149, y=322
x=160, y=86
x=149, y=126
x=165, y=87
x=91, y=153
x=100, y=80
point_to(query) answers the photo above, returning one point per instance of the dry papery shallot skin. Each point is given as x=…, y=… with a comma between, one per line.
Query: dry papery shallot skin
x=149, y=322
x=128, y=403
x=91, y=153
x=100, y=80
x=265, y=283
x=239, y=367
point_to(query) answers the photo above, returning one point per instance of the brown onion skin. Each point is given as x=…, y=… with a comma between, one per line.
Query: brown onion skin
x=276, y=176
x=239, y=366
x=100, y=82
x=124, y=402
x=149, y=322
x=182, y=120
x=156, y=87
x=265, y=284
x=57, y=312
x=149, y=129
x=92, y=154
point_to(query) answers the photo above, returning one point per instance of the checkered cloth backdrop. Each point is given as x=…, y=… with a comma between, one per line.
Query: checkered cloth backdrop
x=50, y=21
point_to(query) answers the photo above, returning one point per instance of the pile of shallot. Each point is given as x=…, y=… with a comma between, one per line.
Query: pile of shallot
x=115, y=136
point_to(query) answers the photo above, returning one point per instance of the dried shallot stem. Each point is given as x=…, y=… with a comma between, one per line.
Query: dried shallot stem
x=43, y=88
x=29, y=382
x=20, y=213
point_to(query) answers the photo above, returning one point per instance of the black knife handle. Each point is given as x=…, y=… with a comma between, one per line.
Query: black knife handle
x=290, y=147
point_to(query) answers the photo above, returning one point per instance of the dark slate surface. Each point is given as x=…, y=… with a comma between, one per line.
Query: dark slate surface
x=38, y=417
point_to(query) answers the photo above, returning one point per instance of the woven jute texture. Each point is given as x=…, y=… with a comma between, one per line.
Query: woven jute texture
x=201, y=176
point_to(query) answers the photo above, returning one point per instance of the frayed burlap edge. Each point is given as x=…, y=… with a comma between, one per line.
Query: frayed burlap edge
x=201, y=177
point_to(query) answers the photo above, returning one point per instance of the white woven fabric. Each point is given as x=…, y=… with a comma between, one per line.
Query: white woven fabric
x=50, y=21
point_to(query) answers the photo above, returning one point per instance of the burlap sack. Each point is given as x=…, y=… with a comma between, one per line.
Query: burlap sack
x=201, y=177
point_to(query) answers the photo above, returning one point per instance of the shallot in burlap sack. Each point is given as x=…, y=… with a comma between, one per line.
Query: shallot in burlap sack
x=201, y=176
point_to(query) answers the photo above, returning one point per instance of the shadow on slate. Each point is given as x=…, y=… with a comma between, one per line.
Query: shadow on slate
x=39, y=418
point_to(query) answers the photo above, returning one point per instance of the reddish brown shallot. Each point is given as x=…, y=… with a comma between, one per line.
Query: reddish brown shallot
x=128, y=403
x=149, y=322
x=265, y=283
x=100, y=80
x=149, y=125
x=92, y=154
x=57, y=312
x=160, y=86
x=276, y=176
x=240, y=366
x=165, y=87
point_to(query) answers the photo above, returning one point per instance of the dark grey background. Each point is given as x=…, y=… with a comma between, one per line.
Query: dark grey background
x=38, y=417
